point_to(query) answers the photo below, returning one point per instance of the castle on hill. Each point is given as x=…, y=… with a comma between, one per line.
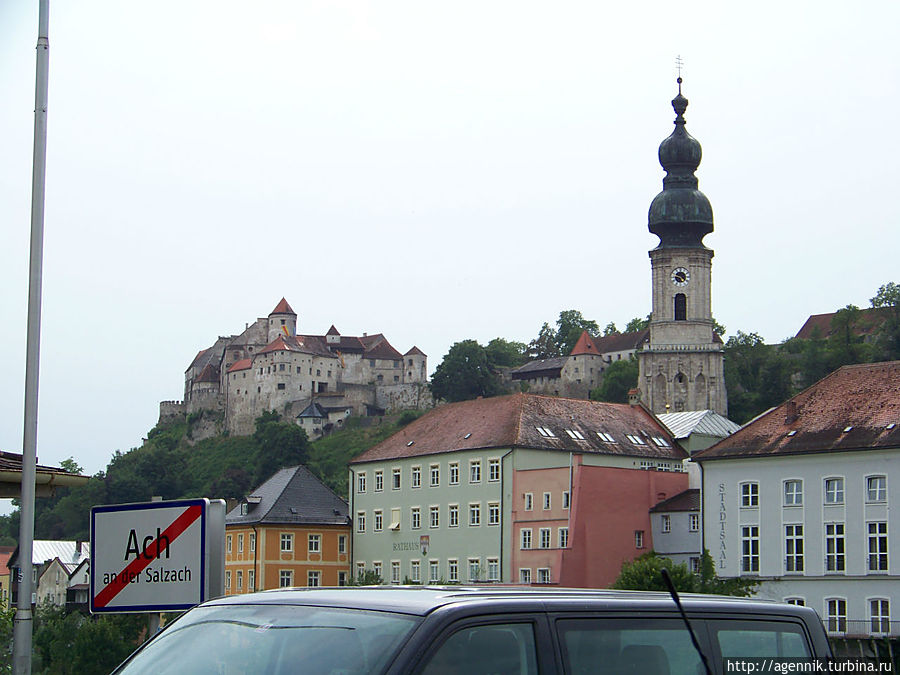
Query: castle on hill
x=315, y=380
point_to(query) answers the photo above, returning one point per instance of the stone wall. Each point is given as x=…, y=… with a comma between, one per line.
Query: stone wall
x=396, y=397
x=170, y=411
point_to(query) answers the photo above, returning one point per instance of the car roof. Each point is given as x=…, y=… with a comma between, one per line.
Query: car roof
x=422, y=600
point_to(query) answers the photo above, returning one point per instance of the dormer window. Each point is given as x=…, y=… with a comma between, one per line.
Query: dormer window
x=245, y=508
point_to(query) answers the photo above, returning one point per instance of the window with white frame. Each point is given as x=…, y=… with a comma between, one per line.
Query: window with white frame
x=475, y=514
x=395, y=479
x=876, y=488
x=546, y=501
x=666, y=524
x=342, y=578
x=342, y=544
x=251, y=580
x=525, y=538
x=454, y=473
x=415, y=477
x=453, y=570
x=563, y=537
x=529, y=501
x=544, y=537
x=313, y=578
x=414, y=571
x=834, y=547
x=574, y=433
x=314, y=543
x=395, y=571
x=800, y=602
x=565, y=499
x=543, y=575
x=434, y=516
x=834, y=490
x=252, y=542
x=228, y=544
x=493, y=470
x=474, y=470
x=434, y=571
x=379, y=481
x=545, y=432
x=287, y=542
x=360, y=568
x=749, y=495
x=453, y=515
x=474, y=568
x=493, y=509
x=694, y=522
x=878, y=546
x=415, y=517
x=605, y=437
x=836, y=615
x=285, y=578
x=361, y=482
x=360, y=521
x=435, y=475
x=879, y=616
x=240, y=543
x=228, y=579
x=793, y=492
x=793, y=548
x=695, y=564
x=240, y=580
x=639, y=539
x=493, y=569
x=378, y=518
x=524, y=575
x=750, y=548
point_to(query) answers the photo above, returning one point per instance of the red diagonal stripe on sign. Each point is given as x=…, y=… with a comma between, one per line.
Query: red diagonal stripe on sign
x=136, y=566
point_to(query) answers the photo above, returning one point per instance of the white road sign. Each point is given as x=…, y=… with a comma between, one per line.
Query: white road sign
x=156, y=556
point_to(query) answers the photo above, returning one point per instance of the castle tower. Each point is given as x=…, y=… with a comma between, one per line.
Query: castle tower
x=282, y=319
x=682, y=367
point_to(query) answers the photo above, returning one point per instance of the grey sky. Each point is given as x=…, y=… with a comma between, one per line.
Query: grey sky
x=432, y=171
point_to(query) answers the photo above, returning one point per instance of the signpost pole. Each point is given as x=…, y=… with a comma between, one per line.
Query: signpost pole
x=153, y=620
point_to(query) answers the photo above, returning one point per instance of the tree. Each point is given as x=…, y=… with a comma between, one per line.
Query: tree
x=279, y=445
x=637, y=324
x=887, y=342
x=645, y=574
x=757, y=376
x=610, y=329
x=366, y=578
x=464, y=374
x=505, y=354
x=544, y=345
x=569, y=327
x=618, y=378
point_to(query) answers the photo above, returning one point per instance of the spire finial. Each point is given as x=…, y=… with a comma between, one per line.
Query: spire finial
x=678, y=65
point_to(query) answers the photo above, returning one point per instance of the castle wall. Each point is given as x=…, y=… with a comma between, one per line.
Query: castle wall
x=396, y=397
x=170, y=411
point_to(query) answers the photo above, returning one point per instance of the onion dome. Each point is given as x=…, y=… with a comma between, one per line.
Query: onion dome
x=680, y=215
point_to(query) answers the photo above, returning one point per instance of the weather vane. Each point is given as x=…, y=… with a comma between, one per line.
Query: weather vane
x=678, y=64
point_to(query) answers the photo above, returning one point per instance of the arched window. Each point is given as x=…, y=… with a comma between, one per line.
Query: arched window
x=680, y=307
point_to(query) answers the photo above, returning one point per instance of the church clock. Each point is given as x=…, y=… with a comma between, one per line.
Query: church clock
x=680, y=276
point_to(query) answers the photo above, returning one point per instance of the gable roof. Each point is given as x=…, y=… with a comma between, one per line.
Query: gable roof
x=415, y=351
x=513, y=421
x=332, y=331
x=535, y=368
x=45, y=550
x=209, y=374
x=689, y=500
x=856, y=408
x=707, y=422
x=283, y=308
x=314, y=410
x=819, y=325
x=293, y=496
x=243, y=364
x=621, y=342
x=306, y=344
x=381, y=350
x=585, y=345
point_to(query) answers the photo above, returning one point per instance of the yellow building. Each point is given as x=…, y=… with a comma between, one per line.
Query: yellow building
x=291, y=531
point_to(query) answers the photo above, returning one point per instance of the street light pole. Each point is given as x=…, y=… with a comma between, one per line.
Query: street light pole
x=24, y=619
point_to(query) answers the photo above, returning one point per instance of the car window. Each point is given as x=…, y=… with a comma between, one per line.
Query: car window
x=759, y=638
x=638, y=646
x=275, y=640
x=493, y=649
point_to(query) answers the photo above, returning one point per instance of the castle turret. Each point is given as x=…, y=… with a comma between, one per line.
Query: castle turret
x=282, y=321
x=415, y=365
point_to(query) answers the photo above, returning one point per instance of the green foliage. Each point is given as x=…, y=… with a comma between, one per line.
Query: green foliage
x=887, y=342
x=67, y=643
x=618, y=378
x=757, y=376
x=408, y=416
x=637, y=324
x=644, y=574
x=569, y=327
x=610, y=329
x=505, y=354
x=366, y=578
x=464, y=374
x=544, y=345
x=7, y=615
x=279, y=444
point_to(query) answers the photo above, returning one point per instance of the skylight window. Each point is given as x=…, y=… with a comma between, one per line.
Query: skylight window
x=469, y=435
x=637, y=440
x=545, y=432
x=606, y=437
x=575, y=434
x=410, y=444
x=660, y=441
x=846, y=429
x=791, y=433
x=890, y=426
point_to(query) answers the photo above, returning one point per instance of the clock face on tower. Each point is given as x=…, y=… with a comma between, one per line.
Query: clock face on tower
x=680, y=276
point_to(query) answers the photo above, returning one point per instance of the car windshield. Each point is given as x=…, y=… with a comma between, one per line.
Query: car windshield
x=273, y=639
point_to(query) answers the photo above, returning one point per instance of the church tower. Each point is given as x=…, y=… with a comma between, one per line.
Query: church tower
x=682, y=366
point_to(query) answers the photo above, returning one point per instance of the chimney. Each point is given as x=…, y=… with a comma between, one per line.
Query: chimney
x=791, y=412
x=634, y=396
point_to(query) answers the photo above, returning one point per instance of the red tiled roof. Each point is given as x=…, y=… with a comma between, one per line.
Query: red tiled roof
x=243, y=364
x=851, y=409
x=585, y=345
x=509, y=421
x=283, y=308
x=415, y=351
x=382, y=350
x=620, y=342
x=198, y=357
x=208, y=374
x=819, y=325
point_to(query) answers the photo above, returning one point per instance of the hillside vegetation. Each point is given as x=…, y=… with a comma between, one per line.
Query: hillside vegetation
x=223, y=467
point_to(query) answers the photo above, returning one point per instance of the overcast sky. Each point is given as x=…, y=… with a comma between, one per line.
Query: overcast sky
x=432, y=171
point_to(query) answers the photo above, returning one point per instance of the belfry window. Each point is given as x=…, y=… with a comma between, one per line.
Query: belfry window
x=680, y=307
